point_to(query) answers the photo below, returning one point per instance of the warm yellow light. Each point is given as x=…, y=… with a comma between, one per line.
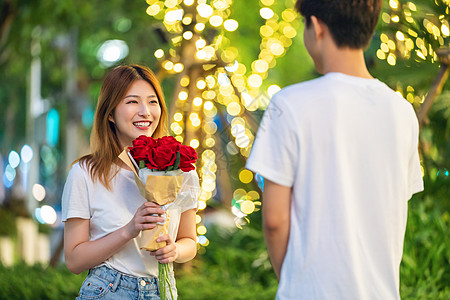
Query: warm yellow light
x=174, y=126
x=178, y=67
x=199, y=27
x=266, y=31
x=184, y=82
x=445, y=30
x=220, y=4
x=168, y=65
x=210, y=95
x=193, y=116
x=187, y=20
x=189, y=2
x=200, y=43
x=242, y=141
x=380, y=54
x=245, y=176
x=237, y=130
x=183, y=95
x=204, y=10
x=198, y=219
x=254, y=80
x=201, y=54
x=386, y=18
x=400, y=36
x=277, y=49
x=153, y=10
x=201, y=230
x=201, y=205
x=420, y=54
x=247, y=207
x=384, y=47
x=194, y=143
x=267, y=2
x=231, y=25
x=391, y=59
x=196, y=122
x=201, y=84
x=395, y=19
x=210, y=127
x=412, y=6
x=391, y=44
x=170, y=3
x=260, y=66
x=216, y=20
x=197, y=101
x=273, y=89
x=208, y=105
x=289, y=31
x=159, y=53
x=288, y=15
x=393, y=4
x=178, y=130
x=178, y=117
x=384, y=38
x=266, y=13
x=253, y=195
x=209, y=50
x=210, y=142
x=233, y=108
x=187, y=35
x=210, y=81
x=179, y=138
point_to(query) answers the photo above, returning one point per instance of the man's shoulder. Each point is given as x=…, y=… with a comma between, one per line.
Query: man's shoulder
x=305, y=87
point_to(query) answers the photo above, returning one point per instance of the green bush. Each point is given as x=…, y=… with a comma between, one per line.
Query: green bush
x=24, y=282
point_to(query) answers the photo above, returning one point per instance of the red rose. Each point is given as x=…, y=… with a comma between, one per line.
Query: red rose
x=161, y=157
x=170, y=142
x=141, y=147
x=188, y=157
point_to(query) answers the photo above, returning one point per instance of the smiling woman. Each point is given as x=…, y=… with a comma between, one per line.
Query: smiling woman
x=137, y=113
x=102, y=208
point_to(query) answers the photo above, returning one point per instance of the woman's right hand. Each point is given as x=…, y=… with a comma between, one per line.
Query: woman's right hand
x=143, y=218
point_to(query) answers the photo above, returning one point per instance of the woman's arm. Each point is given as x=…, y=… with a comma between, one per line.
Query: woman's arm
x=185, y=247
x=82, y=254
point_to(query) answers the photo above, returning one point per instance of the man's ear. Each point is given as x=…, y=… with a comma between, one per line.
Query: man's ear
x=319, y=27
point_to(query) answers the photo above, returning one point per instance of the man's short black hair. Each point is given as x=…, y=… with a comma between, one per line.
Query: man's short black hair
x=351, y=22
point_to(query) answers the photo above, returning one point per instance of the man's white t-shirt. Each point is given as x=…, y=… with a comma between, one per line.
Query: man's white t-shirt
x=109, y=210
x=348, y=147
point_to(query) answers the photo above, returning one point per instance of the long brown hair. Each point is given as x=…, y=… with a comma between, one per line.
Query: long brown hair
x=105, y=145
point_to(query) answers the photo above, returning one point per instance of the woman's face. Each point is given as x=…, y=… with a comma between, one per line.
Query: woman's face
x=137, y=113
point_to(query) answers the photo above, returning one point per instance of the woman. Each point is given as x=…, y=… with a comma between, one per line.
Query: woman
x=102, y=208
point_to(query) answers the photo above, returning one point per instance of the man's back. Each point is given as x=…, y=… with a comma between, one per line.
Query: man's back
x=348, y=147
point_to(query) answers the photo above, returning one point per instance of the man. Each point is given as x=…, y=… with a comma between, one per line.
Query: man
x=340, y=161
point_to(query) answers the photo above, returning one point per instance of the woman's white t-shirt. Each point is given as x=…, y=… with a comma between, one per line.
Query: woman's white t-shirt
x=109, y=210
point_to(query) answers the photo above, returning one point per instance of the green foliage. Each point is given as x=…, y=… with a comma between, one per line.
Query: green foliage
x=425, y=269
x=7, y=223
x=24, y=282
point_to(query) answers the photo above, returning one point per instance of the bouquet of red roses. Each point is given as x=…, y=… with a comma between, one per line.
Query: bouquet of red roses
x=158, y=165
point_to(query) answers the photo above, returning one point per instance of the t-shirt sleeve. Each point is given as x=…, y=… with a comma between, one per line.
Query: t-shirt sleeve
x=75, y=198
x=415, y=181
x=190, y=191
x=275, y=149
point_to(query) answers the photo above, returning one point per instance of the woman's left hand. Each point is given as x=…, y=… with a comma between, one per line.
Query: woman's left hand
x=168, y=253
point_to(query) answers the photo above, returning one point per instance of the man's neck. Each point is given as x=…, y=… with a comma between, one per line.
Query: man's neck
x=347, y=61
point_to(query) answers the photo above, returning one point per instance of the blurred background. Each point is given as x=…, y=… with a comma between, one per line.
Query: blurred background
x=219, y=62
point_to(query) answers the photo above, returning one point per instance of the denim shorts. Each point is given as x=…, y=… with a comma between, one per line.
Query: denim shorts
x=109, y=284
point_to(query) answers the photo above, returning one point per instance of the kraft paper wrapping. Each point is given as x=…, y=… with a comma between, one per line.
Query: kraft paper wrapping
x=162, y=190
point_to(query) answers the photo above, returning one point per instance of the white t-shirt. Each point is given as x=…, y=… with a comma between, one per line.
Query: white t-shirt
x=348, y=148
x=111, y=210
